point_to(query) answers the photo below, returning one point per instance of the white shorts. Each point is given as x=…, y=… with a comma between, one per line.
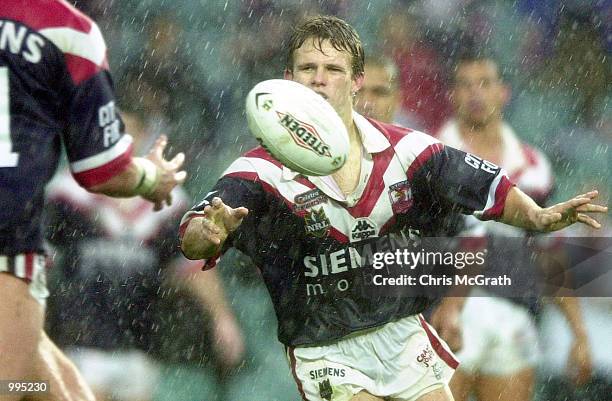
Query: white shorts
x=403, y=360
x=499, y=336
x=124, y=375
x=31, y=268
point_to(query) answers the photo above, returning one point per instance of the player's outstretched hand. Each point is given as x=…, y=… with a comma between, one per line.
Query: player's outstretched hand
x=205, y=235
x=168, y=174
x=569, y=212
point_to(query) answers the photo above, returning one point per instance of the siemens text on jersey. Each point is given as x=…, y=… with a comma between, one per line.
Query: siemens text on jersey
x=17, y=39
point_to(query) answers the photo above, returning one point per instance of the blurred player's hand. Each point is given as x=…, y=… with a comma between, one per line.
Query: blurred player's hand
x=228, y=341
x=567, y=213
x=579, y=365
x=445, y=319
x=168, y=174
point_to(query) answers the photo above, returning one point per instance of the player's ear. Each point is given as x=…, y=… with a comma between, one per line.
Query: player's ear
x=288, y=74
x=506, y=94
x=357, y=82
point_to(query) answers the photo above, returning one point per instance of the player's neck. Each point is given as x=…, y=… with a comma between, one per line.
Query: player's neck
x=483, y=140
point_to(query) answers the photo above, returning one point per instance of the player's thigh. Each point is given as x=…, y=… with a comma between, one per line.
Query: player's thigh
x=461, y=385
x=365, y=396
x=21, y=323
x=515, y=387
x=65, y=381
x=440, y=394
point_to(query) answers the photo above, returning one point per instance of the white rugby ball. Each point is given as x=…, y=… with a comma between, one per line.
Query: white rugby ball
x=297, y=126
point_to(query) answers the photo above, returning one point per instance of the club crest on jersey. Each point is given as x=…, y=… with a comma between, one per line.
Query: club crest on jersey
x=304, y=135
x=325, y=390
x=317, y=223
x=362, y=229
x=308, y=199
x=400, y=195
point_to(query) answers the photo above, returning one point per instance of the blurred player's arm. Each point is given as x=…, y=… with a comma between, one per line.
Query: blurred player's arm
x=579, y=364
x=207, y=288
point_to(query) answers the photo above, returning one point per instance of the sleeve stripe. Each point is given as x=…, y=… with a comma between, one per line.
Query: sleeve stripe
x=423, y=157
x=497, y=198
x=104, y=157
x=105, y=172
x=89, y=46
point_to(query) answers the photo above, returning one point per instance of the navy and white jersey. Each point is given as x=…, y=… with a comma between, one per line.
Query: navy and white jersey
x=55, y=88
x=310, y=240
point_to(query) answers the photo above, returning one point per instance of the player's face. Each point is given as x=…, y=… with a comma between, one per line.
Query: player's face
x=327, y=72
x=378, y=97
x=479, y=95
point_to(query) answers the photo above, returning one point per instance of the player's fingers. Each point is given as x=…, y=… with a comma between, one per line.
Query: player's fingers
x=180, y=177
x=158, y=206
x=589, y=207
x=240, y=212
x=576, y=202
x=217, y=203
x=177, y=161
x=160, y=146
x=588, y=220
x=169, y=199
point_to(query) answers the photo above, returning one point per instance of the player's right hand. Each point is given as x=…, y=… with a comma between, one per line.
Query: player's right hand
x=168, y=174
x=204, y=236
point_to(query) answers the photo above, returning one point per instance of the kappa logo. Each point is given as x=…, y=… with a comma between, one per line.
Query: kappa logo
x=400, y=195
x=317, y=223
x=363, y=228
x=325, y=390
x=308, y=199
x=304, y=135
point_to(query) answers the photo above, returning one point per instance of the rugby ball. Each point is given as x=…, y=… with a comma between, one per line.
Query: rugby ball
x=297, y=126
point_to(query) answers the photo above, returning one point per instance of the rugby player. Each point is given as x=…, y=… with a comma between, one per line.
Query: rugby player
x=342, y=343
x=499, y=354
x=55, y=89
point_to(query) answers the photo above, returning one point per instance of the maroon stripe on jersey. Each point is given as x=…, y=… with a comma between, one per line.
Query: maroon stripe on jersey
x=393, y=133
x=290, y=352
x=333, y=232
x=387, y=226
x=501, y=192
x=39, y=14
x=375, y=187
x=81, y=69
x=422, y=158
x=446, y=356
x=105, y=172
x=29, y=266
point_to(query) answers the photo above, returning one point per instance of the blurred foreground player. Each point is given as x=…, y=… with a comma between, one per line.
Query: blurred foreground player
x=55, y=87
x=305, y=233
x=499, y=353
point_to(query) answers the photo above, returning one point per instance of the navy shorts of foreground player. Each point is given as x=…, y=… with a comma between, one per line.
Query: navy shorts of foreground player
x=305, y=236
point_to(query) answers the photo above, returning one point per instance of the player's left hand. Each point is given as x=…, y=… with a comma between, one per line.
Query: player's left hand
x=445, y=319
x=569, y=212
x=579, y=365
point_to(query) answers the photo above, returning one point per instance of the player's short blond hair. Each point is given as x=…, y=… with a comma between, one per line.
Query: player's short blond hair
x=340, y=34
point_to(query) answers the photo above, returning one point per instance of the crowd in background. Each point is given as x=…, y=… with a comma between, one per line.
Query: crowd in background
x=184, y=69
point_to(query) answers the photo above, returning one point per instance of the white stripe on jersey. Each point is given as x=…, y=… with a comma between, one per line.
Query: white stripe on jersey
x=412, y=145
x=492, y=191
x=20, y=265
x=90, y=46
x=102, y=158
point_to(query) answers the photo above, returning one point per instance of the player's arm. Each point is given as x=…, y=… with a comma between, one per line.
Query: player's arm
x=460, y=181
x=151, y=177
x=522, y=211
x=579, y=362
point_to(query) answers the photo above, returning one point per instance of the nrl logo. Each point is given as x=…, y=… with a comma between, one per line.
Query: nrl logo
x=303, y=134
x=317, y=223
